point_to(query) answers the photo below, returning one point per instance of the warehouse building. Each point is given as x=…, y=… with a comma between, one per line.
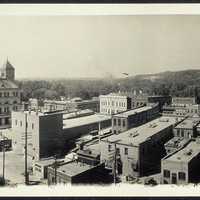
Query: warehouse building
x=76, y=172
x=48, y=133
x=182, y=167
x=76, y=103
x=187, y=128
x=129, y=119
x=44, y=132
x=183, y=101
x=73, y=128
x=139, y=150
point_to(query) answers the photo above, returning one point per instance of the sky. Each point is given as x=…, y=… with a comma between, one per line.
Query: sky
x=99, y=46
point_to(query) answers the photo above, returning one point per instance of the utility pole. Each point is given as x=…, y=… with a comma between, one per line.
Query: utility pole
x=115, y=158
x=25, y=148
x=55, y=168
x=99, y=132
x=3, y=148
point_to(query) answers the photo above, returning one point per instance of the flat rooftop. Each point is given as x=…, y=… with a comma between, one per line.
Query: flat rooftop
x=119, y=94
x=74, y=168
x=138, y=135
x=189, y=123
x=186, y=154
x=134, y=111
x=81, y=121
x=177, y=142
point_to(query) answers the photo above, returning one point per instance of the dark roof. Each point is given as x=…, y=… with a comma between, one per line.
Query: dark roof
x=7, y=65
x=6, y=84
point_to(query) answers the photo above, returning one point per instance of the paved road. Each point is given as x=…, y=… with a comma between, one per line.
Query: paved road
x=14, y=166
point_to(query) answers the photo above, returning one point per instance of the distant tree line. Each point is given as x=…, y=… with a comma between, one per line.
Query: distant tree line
x=182, y=83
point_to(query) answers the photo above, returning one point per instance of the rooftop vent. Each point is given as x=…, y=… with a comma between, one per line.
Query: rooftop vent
x=188, y=153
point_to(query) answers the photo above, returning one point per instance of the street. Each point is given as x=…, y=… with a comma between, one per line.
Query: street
x=14, y=166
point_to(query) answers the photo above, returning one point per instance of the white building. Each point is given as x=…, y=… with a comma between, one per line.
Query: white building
x=10, y=94
x=114, y=103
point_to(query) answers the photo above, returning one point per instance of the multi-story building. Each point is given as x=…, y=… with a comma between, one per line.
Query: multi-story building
x=139, y=150
x=49, y=133
x=77, y=172
x=114, y=103
x=10, y=94
x=70, y=105
x=129, y=119
x=183, y=101
x=44, y=133
x=182, y=166
x=187, y=128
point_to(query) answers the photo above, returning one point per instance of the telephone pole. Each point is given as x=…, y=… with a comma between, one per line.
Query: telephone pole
x=99, y=132
x=115, y=158
x=55, y=168
x=25, y=148
x=3, y=148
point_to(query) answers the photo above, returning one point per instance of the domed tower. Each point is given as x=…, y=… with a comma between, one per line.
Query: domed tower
x=8, y=71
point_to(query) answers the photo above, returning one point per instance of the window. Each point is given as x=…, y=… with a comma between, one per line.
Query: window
x=117, y=151
x=178, y=132
x=181, y=175
x=166, y=173
x=124, y=123
x=0, y=94
x=114, y=120
x=126, y=151
x=20, y=123
x=182, y=133
x=119, y=122
x=32, y=126
x=16, y=122
x=109, y=147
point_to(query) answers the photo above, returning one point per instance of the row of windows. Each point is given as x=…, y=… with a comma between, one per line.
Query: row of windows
x=7, y=102
x=113, y=103
x=139, y=104
x=120, y=121
x=7, y=94
x=181, y=175
x=7, y=109
x=20, y=123
x=181, y=133
x=118, y=150
x=110, y=111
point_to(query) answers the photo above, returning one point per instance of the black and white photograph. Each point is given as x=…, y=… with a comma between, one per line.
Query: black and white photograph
x=99, y=100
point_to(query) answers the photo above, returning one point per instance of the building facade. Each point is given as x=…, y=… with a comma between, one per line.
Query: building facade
x=139, y=150
x=10, y=94
x=129, y=119
x=183, y=101
x=187, y=128
x=114, y=103
x=182, y=167
x=44, y=133
x=71, y=105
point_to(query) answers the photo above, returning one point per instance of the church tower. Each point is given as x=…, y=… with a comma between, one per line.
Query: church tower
x=8, y=71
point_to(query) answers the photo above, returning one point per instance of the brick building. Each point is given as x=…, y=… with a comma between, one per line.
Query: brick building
x=73, y=104
x=187, y=128
x=139, y=150
x=10, y=94
x=129, y=119
x=182, y=166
